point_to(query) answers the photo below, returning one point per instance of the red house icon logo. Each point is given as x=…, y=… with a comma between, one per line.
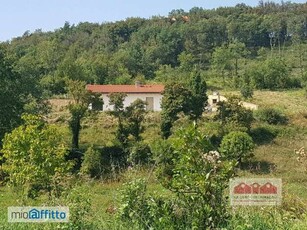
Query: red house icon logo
x=242, y=188
x=255, y=188
x=268, y=188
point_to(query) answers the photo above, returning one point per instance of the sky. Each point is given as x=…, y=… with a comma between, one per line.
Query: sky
x=19, y=16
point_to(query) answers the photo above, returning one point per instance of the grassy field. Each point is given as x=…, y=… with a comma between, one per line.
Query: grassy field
x=274, y=157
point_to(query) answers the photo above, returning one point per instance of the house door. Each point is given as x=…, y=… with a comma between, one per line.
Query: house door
x=150, y=103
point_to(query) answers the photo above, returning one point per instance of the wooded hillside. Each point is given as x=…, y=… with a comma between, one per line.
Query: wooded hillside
x=222, y=43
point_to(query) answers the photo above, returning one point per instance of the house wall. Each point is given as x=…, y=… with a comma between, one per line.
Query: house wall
x=218, y=98
x=131, y=97
x=157, y=98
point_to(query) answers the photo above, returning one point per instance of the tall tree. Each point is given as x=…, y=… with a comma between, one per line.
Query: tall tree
x=221, y=61
x=135, y=113
x=11, y=95
x=176, y=99
x=78, y=107
x=238, y=51
x=199, y=97
x=129, y=119
x=117, y=100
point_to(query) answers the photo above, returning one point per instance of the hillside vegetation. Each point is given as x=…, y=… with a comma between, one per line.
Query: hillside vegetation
x=135, y=169
x=227, y=43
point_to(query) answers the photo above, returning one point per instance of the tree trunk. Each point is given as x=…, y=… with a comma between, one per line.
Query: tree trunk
x=75, y=133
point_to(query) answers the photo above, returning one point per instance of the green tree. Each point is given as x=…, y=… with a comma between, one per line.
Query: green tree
x=199, y=97
x=129, y=119
x=134, y=115
x=233, y=115
x=237, y=146
x=176, y=99
x=196, y=178
x=246, y=88
x=11, y=96
x=271, y=74
x=122, y=133
x=186, y=61
x=238, y=51
x=33, y=154
x=78, y=107
x=221, y=61
x=276, y=74
x=169, y=46
x=91, y=164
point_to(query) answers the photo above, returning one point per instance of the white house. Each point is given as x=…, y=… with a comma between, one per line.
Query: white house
x=152, y=94
x=213, y=99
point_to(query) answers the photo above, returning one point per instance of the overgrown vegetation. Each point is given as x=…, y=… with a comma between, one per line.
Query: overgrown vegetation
x=180, y=170
x=33, y=155
x=196, y=176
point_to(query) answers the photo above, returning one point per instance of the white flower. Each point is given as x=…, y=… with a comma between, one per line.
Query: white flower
x=211, y=157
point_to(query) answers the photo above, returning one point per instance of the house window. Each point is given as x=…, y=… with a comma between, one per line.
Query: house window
x=150, y=103
x=214, y=101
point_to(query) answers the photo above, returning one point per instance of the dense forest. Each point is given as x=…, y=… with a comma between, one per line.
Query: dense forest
x=218, y=42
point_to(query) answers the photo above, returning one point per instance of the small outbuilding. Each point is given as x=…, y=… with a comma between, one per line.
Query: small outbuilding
x=151, y=94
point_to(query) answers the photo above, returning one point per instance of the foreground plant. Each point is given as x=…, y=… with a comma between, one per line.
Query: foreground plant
x=194, y=175
x=33, y=155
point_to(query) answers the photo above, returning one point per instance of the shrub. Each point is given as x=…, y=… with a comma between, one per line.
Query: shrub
x=40, y=150
x=139, y=210
x=294, y=83
x=237, y=146
x=79, y=206
x=267, y=218
x=271, y=74
x=271, y=116
x=78, y=200
x=134, y=206
x=233, y=113
x=104, y=162
x=113, y=159
x=140, y=153
x=196, y=179
x=247, y=91
x=92, y=164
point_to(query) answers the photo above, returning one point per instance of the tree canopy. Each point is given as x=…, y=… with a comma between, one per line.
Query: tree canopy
x=117, y=52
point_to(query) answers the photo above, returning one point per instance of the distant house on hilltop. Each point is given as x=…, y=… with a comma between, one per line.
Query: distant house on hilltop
x=151, y=94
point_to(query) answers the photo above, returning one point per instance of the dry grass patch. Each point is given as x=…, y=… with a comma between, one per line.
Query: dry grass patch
x=291, y=101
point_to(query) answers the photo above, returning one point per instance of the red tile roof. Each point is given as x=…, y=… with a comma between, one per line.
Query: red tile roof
x=125, y=88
